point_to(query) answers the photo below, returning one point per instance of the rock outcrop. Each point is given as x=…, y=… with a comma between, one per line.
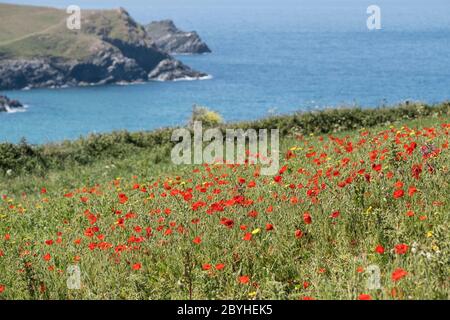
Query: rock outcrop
x=170, y=70
x=8, y=105
x=168, y=38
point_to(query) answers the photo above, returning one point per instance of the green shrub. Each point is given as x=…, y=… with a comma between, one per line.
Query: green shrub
x=16, y=159
x=208, y=117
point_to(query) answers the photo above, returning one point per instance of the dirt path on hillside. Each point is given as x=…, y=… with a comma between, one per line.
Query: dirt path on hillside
x=33, y=34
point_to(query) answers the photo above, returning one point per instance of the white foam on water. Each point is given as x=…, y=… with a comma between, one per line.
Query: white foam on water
x=208, y=77
x=15, y=110
x=129, y=83
x=189, y=54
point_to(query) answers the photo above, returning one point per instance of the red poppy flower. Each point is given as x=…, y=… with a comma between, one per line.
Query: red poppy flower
x=220, y=266
x=394, y=292
x=298, y=234
x=379, y=249
x=364, y=297
x=206, y=266
x=2, y=288
x=253, y=214
x=269, y=227
x=401, y=248
x=376, y=167
x=411, y=191
x=410, y=148
x=244, y=279
x=84, y=199
x=47, y=257
x=322, y=270
x=123, y=198
x=290, y=155
x=228, y=223
x=335, y=214
x=283, y=170
x=398, y=274
x=248, y=236
x=136, y=266
x=197, y=240
x=416, y=170
x=410, y=213
x=307, y=218
x=198, y=205
x=399, y=193
x=399, y=184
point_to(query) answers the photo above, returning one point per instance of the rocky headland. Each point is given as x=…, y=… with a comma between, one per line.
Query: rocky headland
x=110, y=47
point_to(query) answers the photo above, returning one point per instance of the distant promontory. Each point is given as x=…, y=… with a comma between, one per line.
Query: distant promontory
x=167, y=37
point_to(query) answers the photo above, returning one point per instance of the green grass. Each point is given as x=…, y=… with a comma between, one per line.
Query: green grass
x=329, y=261
x=19, y=21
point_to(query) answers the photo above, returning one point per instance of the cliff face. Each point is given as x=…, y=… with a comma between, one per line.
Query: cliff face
x=169, y=38
x=110, y=47
x=106, y=67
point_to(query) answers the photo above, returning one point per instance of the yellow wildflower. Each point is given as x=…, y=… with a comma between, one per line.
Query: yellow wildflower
x=256, y=231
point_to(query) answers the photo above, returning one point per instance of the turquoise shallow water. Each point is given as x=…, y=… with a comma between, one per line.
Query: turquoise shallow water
x=267, y=57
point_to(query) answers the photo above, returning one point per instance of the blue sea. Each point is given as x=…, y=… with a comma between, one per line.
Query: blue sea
x=268, y=57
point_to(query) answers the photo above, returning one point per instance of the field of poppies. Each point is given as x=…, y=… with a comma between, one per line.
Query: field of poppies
x=361, y=214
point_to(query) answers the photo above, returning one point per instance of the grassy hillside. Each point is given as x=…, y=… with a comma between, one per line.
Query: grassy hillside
x=31, y=32
x=344, y=203
x=17, y=22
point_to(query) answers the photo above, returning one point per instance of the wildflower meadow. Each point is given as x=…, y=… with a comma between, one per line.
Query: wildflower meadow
x=359, y=214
